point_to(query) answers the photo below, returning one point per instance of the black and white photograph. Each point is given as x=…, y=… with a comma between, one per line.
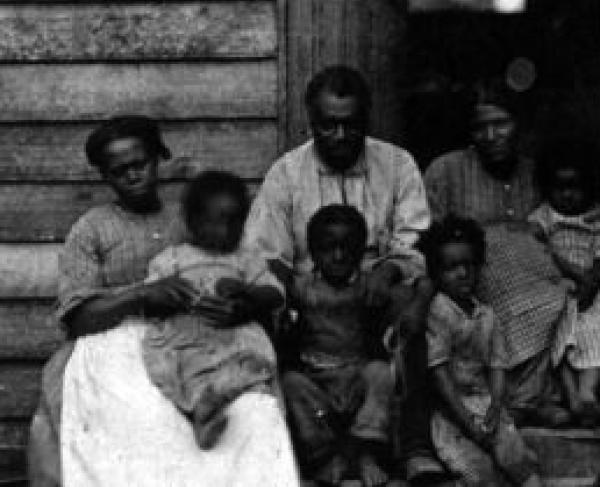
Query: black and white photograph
x=300, y=243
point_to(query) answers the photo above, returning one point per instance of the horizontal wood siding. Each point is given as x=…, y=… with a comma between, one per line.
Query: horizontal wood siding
x=224, y=29
x=54, y=152
x=207, y=70
x=163, y=90
x=29, y=329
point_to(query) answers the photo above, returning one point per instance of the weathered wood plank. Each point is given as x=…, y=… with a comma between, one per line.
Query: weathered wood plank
x=19, y=388
x=14, y=436
x=39, y=212
x=55, y=152
x=131, y=31
x=164, y=90
x=45, y=212
x=28, y=330
x=27, y=271
x=367, y=35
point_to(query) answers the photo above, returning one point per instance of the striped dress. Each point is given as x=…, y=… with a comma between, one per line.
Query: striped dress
x=578, y=242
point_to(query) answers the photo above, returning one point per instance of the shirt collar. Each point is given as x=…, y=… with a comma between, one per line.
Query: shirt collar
x=478, y=309
x=357, y=170
x=318, y=276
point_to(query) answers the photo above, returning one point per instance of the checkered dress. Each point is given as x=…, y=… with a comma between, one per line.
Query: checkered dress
x=578, y=242
x=524, y=287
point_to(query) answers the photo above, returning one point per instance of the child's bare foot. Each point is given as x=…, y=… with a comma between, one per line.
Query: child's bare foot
x=371, y=474
x=208, y=431
x=333, y=471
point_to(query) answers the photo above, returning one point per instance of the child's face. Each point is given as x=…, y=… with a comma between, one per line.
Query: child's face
x=568, y=194
x=458, y=271
x=219, y=227
x=335, y=254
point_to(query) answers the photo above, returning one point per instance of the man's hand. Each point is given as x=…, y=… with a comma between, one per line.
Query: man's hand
x=379, y=283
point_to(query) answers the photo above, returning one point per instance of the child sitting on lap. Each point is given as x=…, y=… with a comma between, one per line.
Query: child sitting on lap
x=339, y=393
x=198, y=362
x=472, y=431
x=565, y=221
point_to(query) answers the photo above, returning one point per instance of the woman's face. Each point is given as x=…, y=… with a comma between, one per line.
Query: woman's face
x=132, y=172
x=493, y=133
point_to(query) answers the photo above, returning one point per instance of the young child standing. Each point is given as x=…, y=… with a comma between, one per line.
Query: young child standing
x=198, y=362
x=566, y=221
x=339, y=393
x=472, y=431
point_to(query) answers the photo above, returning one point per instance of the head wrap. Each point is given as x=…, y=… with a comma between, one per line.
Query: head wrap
x=121, y=127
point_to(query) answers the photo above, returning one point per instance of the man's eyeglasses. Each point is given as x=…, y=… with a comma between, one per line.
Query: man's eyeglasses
x=331, y=127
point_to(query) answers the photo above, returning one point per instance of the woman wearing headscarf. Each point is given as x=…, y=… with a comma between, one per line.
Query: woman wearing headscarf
x=101, y=421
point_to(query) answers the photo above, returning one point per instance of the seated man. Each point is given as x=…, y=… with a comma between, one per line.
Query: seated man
x=342, y=165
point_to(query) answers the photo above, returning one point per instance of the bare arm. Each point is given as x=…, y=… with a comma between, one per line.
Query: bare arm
x=497, y=386
x=105, y=312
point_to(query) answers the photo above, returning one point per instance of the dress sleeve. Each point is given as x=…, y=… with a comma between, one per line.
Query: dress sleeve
x=162, y=265
x=439, y=336
x=269, y=225
x=411, y=216
x=79, y=269
x=499, y=356
x=256, y=271
x=540, y=219
x=436, y=185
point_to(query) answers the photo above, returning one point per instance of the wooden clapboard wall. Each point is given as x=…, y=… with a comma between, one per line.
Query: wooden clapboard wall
x=368, y=35
x=209, y=70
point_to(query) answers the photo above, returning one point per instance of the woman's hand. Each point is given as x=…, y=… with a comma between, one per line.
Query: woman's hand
x=227, y=287
x=379, y=283
x=223, y=312
x=483, y=437
x=166, y=296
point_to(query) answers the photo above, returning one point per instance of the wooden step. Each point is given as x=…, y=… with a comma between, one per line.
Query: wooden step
x=566, y=454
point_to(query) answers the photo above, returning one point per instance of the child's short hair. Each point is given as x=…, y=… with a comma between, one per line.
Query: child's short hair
x=209, y=184
x=335, y=215
x=567, y=152
x=452, y=229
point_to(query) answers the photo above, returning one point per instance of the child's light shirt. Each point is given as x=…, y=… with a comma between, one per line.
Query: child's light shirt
x=469, y=344
x=576, y=240
x=571, y=237
x=204, y=269
x=188, y=358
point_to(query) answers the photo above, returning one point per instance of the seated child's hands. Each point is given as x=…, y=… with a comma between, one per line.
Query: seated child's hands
x=492, y=418
x=223, y=312
x=483, y=436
